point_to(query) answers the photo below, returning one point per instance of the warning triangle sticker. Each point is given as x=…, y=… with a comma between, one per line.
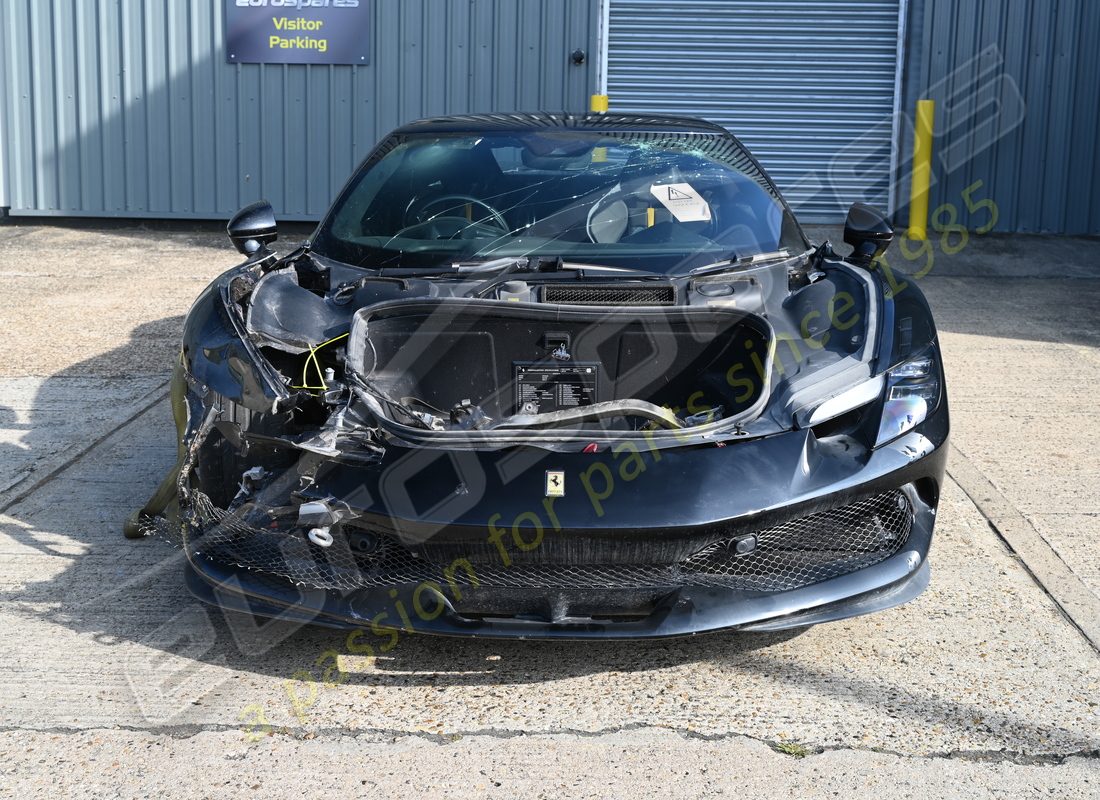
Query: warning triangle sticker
x=685, y=203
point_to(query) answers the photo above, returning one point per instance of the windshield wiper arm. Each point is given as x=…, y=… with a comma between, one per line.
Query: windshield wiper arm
x=606, y=268
x=511, y=264
x=738, y=261
x=540, y=264
x=498, y=265
x=481, y=289
x=507, y=264
x=533, y=264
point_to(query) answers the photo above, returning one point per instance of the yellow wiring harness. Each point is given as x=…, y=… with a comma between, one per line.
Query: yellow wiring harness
x=312, y=358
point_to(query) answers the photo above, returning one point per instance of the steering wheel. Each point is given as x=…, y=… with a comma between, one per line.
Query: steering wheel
x=446, y=227
x=458, y=206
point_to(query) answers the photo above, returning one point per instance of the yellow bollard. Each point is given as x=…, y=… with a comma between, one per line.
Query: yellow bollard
x=922, y=170
x=599, y=103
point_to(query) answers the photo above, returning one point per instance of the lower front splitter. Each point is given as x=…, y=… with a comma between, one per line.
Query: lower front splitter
x=683, y=611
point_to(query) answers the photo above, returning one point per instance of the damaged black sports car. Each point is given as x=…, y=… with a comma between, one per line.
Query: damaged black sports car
x=557, y=375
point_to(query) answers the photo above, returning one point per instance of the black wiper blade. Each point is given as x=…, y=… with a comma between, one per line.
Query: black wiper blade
x=603, y=268
x=581, y=272
x=497, y=265
x=545, y=266
x=739, y=262
x=509, y=264
x=707, y=270
x=493, y=265
x=540, y=264
x=532, y=264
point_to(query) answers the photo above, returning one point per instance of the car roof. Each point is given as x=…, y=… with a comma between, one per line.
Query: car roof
x=534, y=120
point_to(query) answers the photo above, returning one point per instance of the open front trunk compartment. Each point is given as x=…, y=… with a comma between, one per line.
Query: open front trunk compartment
x=549, y=366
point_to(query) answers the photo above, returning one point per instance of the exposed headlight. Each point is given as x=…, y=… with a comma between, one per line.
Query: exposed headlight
x=912, y=393
x=859, y=395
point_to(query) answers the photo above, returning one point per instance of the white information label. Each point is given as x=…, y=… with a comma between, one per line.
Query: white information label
x=686, y=204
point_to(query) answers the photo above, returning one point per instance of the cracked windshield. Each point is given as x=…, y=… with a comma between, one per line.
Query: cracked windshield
x=662, y=203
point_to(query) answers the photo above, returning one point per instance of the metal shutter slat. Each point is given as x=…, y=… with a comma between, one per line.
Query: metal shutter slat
x=807, y=86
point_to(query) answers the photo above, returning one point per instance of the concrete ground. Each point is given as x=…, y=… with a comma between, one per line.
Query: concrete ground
x=115, y=683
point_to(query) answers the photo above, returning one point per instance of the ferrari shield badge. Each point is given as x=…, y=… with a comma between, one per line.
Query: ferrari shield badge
x=555, y=484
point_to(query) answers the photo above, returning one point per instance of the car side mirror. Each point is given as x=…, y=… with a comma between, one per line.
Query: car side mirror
x=868, y=231
x=252, y=228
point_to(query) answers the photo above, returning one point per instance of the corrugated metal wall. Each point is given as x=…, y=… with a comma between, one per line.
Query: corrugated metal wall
x=1017, y=84
x=807, y=86
x=4, y=201
x=128, y=108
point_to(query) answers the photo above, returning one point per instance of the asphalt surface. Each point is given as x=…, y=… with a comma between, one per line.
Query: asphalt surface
x=114, y=682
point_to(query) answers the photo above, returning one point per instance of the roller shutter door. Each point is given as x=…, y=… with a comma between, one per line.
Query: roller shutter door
x=807, y=86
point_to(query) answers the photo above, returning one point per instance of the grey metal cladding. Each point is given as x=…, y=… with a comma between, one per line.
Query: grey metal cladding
x=1041, y=168
x=807, y=86
x=128, y=108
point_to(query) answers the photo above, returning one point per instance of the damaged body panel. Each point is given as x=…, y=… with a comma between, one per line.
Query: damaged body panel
x=547, y=375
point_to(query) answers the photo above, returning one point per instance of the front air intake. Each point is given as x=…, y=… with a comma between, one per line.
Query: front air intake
x=612, y=294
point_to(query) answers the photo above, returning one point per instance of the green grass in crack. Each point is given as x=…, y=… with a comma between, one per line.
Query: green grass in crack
x=792, y=749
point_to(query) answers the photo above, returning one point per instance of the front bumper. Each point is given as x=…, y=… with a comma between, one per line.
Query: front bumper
x=744, y=487
x=683, y=612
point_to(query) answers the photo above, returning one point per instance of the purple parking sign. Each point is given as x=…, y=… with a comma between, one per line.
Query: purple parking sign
x=297, y=31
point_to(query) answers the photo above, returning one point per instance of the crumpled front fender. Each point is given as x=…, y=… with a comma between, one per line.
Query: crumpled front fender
x=219, y=355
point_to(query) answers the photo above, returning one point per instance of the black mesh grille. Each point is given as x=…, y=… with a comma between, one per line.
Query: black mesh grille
x=797, y=553
x=580, y=294
x=813, y=548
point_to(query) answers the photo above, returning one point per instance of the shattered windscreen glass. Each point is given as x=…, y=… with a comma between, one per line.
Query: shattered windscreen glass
x=661, y=202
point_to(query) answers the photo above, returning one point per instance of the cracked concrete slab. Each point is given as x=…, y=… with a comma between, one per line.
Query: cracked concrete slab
x=1024, y=406
x=1051, y=569
x=92, y=336
x=45, y=422
x=647, y=762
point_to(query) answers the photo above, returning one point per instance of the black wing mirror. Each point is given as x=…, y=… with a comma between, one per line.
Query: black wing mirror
x=868, y=231
x=252, y=228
